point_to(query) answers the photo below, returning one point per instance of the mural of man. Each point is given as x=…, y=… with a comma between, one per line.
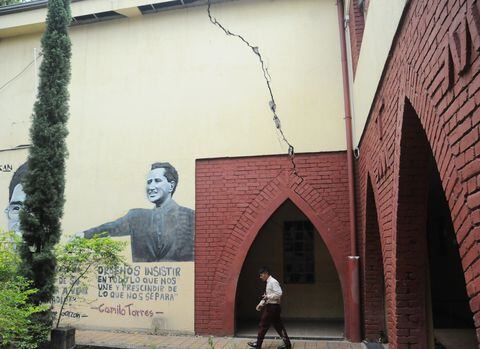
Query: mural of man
x=16, y=197
x=164, y=233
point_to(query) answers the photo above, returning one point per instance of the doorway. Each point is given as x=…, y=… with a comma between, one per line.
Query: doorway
x=431, y=297
x=450, y=318
x=312, y=303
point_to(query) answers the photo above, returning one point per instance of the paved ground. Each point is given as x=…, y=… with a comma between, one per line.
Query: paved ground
x=145, y=341
x=312, y=329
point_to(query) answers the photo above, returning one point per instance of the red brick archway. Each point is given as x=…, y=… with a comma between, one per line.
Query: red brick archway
x=403, y=331
x=390, y=216
x=437, y=71
x=320, y=194
x=327, y=230
x=371, y=259
x=409, y=230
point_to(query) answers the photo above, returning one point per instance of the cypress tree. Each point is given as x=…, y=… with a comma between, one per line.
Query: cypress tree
x=45, y=181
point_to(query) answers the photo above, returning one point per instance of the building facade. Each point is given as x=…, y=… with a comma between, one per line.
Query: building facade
x=373, y=233
x=418, y=169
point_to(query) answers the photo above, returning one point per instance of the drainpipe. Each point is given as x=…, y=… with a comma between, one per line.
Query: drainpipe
x=353, y=332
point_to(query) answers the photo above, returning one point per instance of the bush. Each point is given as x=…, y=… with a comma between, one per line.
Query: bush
x=16, y=326
x=19, y=325
x=79, y=256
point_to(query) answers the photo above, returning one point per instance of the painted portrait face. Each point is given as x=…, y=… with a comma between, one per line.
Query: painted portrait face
x=159, y=189
x=14, y=207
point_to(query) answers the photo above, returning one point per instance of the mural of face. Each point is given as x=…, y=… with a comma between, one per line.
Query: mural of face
x=14, y=207
x=159, y=189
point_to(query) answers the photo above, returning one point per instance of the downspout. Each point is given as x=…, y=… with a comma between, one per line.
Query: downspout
x=353, y=332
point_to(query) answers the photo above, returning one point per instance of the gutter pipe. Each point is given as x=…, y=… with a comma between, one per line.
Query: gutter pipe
x=353, y=332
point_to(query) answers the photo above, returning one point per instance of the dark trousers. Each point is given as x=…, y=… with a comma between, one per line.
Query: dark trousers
x=271, y=316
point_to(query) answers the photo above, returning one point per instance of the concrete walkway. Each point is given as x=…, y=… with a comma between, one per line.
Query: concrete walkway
x=146, y=341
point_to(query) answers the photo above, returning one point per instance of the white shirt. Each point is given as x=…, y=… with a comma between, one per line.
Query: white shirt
x=273, y=291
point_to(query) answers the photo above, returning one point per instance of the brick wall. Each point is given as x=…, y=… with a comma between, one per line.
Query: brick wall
x=434, y=65
x=235, y=197
x=356, y=27
x=372, y=274
x=410, y=239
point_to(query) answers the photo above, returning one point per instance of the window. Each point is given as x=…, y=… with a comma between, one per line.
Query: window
x=298, y=257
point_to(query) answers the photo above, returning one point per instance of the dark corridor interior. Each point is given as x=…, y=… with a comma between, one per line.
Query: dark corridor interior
x=450, y=310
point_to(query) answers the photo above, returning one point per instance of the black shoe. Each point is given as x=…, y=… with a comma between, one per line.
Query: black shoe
x=252, y=344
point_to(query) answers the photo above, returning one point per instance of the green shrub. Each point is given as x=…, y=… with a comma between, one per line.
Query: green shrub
x=78, y=256
x=16, y=327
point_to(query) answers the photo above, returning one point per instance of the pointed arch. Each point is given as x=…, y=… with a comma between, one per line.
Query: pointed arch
x=422, y=134
x=443, y=153
x=310, y=203
x=454, y=186
x=235, y=197
x=372, y=260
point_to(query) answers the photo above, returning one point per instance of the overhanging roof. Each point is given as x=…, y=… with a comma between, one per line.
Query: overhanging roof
x=29, y=17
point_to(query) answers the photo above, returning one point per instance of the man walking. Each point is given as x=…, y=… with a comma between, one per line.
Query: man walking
x=270, y=308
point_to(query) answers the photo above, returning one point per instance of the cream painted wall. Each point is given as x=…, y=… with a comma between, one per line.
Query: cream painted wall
x=381, y=24
x=17, y=98
x=120, y=306
x=172, y=87
x=322, y=299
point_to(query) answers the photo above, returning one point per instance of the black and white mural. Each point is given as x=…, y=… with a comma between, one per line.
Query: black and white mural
x=163, y=233
x=157, y=292
x=16, y=197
